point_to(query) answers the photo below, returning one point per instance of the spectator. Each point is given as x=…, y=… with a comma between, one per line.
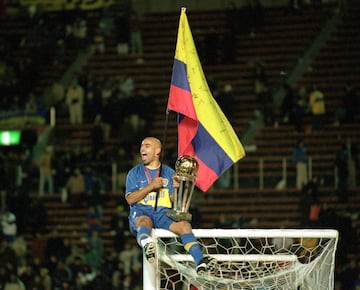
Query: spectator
x=353, y=161
x=129, y=256
x=342, y=173
x=4, y=181
x=46, y=280
x=92, y=99
x=287, y=104
x=28, y=139
x=8, y=258
x=312, y=188
x=318, y=110
x=85, y=277
x=60, y=44
x=32, y=105
x=119, y=280
x=97, y=244
x=94, y=188
x=260, y=77
x=61, y=274
x=122, y=32
x=24, y=169
x=62, y=170
x=93, y=220
x=58, y=97
x=351, y=103
x=295, y=7
x=350, y=275
x=309, y=203
x=214, y=86
x=223, y=222
x=107, y=90
x=55, y=246
x=26, y=273
x=224, y=181
x=265, y=99
x=127, y=87
x=13, y=282
x=299, y=108
x=98, y=45
x=37, y=216
x=129, y=131
x=8, y=225
x=282, y=244
x=46, y=174
x=299, y=159
x=75, y=101
x=97, y=136
x=226, y=100
x=123, y=166
x=17, y=203
x=119, y=227
x=75, y=186
x=92, y=258
x=136, y=44
x=80, y=32
x=75, y=260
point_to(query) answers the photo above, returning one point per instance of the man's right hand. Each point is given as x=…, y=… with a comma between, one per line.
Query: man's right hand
x=157, y=182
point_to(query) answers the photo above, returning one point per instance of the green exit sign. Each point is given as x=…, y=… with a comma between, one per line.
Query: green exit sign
x=10, y=138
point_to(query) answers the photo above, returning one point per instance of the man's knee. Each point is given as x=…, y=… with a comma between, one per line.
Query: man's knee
x=181, y=227
x=143, y=221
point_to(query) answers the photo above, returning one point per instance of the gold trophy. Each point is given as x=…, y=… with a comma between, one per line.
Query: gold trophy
x=186, y=168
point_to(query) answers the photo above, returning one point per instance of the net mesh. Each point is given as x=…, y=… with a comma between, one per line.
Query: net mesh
x=257, y=259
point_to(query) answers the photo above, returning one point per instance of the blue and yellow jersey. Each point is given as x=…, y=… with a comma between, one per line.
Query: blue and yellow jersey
x=139, y=176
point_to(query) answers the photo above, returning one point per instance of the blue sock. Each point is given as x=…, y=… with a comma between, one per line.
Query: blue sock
x=192, y=246
x=142, y=234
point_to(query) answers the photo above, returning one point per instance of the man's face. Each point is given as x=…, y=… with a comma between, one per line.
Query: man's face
x=149, y=151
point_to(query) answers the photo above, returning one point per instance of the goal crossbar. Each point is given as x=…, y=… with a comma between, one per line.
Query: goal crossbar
x=254, y=233
x=240, y=258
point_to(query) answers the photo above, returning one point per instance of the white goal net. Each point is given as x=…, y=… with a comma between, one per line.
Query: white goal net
x=254, y=259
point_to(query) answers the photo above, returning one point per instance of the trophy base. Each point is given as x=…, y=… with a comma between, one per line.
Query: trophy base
x=179, y=216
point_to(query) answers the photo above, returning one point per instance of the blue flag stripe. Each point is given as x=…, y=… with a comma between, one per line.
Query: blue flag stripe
x=208, y=150
x=179, y=78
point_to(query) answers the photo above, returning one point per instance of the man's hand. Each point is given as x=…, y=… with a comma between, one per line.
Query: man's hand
x=176, y=182
x=157, y=182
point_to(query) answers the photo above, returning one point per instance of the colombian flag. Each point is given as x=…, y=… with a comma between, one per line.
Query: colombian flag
x=203, y=130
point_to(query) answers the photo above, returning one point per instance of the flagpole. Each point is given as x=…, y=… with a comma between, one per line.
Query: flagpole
x=162, y=153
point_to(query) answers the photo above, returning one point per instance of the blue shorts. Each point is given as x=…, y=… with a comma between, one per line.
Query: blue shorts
x=159, y=218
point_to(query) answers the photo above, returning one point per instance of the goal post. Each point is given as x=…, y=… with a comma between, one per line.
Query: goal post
x=256, y=259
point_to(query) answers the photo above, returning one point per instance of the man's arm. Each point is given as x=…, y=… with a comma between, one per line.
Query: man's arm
x=136, y=196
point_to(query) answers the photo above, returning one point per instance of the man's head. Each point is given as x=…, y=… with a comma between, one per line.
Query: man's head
x=150, y=151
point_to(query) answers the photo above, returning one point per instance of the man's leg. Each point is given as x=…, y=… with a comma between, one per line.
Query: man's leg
x=143, y=237
x=192, y=246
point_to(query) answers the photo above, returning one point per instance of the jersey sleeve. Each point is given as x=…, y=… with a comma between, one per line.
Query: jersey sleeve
x=131, y=182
